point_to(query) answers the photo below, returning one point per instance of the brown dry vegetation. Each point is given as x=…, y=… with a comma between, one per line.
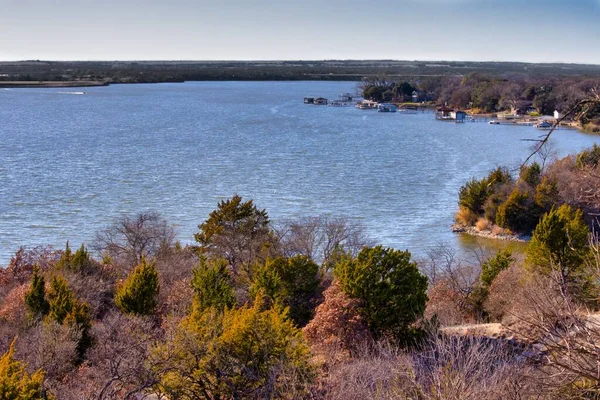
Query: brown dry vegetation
x=495, y=326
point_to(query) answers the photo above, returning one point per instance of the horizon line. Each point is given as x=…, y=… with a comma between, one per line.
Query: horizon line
x=308, y=60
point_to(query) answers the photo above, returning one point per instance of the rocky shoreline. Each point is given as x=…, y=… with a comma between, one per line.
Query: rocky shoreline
x=489, y=233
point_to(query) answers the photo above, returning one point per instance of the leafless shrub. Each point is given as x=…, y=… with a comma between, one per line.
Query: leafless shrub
x=13, y=316
x=51, y=347
x=12, y=308
x=320, y=237
x=471, y=368
x=96, y=287
x=177, y=300
x=176, y=264
x=452, y=281
x=175, y=270
x=118, y=366
x=445, y=304
x=578, y=186
x=377, y=371
x=505, y=291
x=21, y=264
x=447, y=368
x=132, y=237
x=566, y=337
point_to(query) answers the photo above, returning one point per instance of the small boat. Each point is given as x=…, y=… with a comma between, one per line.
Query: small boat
x=494, y=122
x=366, y=105
x=544, y=125
x=386, y=108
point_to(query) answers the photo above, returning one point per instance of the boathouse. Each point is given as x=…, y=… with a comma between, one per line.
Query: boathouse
x=386, y=107
x=458, y=116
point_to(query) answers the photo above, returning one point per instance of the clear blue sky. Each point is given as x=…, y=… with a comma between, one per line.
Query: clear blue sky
x=494, y=30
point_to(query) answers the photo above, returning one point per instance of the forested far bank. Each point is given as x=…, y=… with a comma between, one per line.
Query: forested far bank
x=349, y=70
x=507, y=96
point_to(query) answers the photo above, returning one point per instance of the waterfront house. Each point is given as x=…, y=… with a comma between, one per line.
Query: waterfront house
x=415, y=96
x=443, y=113
x=521, y=108
x=320, y=101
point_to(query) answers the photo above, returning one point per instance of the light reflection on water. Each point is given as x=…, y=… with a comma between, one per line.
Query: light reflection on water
x=70, y=165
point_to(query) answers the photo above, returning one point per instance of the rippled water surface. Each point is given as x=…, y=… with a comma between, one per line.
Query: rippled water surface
x=70, y=164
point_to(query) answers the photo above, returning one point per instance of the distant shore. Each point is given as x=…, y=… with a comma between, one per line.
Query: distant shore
x=50, y=84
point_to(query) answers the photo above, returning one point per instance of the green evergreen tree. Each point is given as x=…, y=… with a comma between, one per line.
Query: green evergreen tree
x=546, y=194
x=518, y=213
x=390, y=288
x=290, y=282
x=493, y=266
x=236, y=231
x=81, y=261
x=66, y=308
x=66, y=259
x=589, y=157
x=237, y=353
x=16, y=383
x=560, y=243
x=213, y=285
x=531, y=174
x=139, y=293
x=35, y=298
x=473, y=195
x=267, y=282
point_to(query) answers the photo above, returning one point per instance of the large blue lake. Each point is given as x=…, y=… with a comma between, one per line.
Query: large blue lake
x=71, y=164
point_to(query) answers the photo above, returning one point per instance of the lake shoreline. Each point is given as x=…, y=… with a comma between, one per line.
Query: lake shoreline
x=489, y=234
x=50, y=84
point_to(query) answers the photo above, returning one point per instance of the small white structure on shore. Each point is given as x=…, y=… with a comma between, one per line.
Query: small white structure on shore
x=415, y=96
x=558, y=115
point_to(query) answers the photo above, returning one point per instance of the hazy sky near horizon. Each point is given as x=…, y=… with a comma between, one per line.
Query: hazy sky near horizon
x=478, y=30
